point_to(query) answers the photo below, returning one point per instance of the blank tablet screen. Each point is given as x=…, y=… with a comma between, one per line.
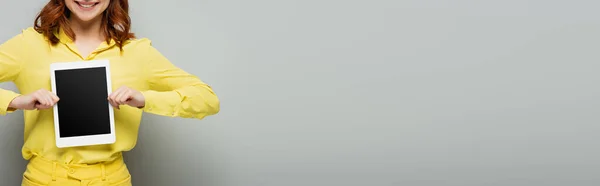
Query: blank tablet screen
x=83, y=108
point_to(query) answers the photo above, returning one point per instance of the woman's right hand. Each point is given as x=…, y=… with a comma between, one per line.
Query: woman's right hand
x=40, y=99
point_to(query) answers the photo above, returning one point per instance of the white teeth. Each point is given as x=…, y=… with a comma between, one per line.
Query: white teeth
x=86, y=5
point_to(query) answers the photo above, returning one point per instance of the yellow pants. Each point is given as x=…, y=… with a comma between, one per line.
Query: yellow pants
x=42, y=172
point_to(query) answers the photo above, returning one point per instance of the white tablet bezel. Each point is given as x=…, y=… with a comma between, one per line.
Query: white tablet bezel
x=90, y=139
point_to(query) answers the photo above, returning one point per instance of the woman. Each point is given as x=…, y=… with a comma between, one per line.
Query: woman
x=143, y=81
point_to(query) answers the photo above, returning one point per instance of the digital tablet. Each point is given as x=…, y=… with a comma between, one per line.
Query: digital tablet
x=83, y=116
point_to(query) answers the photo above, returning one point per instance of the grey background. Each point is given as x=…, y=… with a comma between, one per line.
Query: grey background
x=366, y=93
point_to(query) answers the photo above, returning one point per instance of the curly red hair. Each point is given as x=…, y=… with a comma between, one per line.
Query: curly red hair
x=116, y=21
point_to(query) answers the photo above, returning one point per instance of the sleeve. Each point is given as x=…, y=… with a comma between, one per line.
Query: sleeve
x=11, y=54
x=174, y=92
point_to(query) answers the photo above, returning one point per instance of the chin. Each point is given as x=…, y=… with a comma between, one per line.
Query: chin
x=85, y=18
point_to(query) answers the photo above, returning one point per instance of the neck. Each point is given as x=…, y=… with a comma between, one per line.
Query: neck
x=87, y=30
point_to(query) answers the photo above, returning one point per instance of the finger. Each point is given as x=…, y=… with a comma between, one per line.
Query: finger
x=37, y=105
x=34, y=99
x=42, y=107
x=54, y=97
x=122, y=99
x=111, y=97
x=112, y=102
x=119, y=95
x=48, y=97
x=39, y=98
x=114, y=95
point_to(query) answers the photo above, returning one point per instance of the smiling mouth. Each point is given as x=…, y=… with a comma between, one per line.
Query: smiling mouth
x=87, y=4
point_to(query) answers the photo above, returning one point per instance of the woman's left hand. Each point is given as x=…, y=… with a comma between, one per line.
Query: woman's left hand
x=127, y=96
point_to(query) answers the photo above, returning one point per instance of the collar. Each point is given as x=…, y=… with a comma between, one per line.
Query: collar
x=65, y=39
x=62, y=36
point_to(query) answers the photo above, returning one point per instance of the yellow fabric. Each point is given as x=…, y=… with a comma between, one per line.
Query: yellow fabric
x=169, y=91
x=42, y=172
